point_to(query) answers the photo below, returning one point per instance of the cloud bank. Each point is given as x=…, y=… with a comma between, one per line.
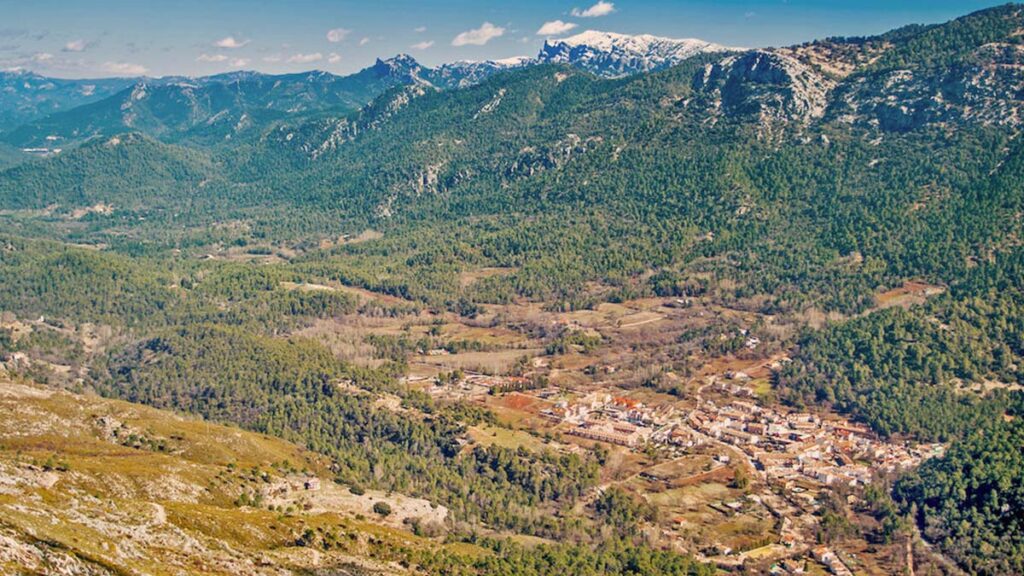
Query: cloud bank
x=602, y=8
x=230, y=42
x=479, y=36
x=555, y=28
x=337, y=35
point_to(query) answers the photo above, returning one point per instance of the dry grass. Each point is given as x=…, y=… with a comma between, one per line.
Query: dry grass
x=505, y=438
x=497, y=362
x=909, y=294
x=138, y=510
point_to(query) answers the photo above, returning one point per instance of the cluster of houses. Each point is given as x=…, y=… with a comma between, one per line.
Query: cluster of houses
x=800, y=445
x=823, y=554
x=621, y=433
x=473, y=385
x=785, y=446
x=607, y=418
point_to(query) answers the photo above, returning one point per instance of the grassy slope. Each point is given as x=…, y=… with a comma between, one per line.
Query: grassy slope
x=132, y=509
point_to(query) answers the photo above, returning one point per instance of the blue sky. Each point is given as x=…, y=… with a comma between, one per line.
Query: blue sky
x=93, y=38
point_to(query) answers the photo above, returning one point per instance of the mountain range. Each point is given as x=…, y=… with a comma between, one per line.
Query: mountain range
x=47, y=113
x=627, y=214
x=857, y=79
x=615, y=55
x=355, y=132
x=543, y=140
x=25, y=96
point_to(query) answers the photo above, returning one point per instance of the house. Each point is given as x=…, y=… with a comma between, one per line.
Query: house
x=738, y=436
x=682, y=437
x=831, y=560
x=604, y=435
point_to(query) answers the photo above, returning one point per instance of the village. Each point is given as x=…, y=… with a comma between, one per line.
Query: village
x=689, y=427
x=783, y=446
x=791, y=456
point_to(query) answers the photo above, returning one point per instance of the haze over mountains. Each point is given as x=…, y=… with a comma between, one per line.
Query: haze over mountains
x=214, y=104
x=859, y=81
x=25, y=96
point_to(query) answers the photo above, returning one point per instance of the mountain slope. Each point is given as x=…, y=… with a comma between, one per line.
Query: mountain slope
x=25, y=97
x=572, y=179
x=99, y=487
x=969, y=70
x=129, y=170
x=213, y=109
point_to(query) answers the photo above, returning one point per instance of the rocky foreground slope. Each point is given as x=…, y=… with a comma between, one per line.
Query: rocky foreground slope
x=92, y=486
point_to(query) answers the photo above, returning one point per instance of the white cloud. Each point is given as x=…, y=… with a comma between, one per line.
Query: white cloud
x=272, y=59
x=211, y=58
x=230, y=42
x=305, y=58
x=364, y=41
x=422, y=45
x=42, y=56
x=334, y=58
x=239, y=62
x=337, y=35
x=75, y=46
x=124, y=68
x=420, y=29
x=602, y=8
x=555, y=28
x=480, y=36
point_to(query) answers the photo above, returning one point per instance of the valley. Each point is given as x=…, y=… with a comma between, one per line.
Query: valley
x=689, y=426
x=634, y=306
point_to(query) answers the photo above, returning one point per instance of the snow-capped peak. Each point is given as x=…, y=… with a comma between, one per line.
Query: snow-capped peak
x=611, y=54
x=514, y=61
x=464, y=73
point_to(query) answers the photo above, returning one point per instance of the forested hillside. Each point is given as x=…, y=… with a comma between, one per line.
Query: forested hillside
x=572, y=179
x=908, y=371
x=969, y=502
x=288, y=389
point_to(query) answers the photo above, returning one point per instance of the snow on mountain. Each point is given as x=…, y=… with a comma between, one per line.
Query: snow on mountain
x=466, y=73
x=603, y=53
x=613, y=55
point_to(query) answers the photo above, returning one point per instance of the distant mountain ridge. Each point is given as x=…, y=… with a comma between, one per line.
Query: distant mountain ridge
x=26, y=96
x=605, y=54
x=220, y=107
x=614, y=55
x=215, y=108
x=967, y=69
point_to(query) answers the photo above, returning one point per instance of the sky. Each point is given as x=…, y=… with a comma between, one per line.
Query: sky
x=102, y=38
